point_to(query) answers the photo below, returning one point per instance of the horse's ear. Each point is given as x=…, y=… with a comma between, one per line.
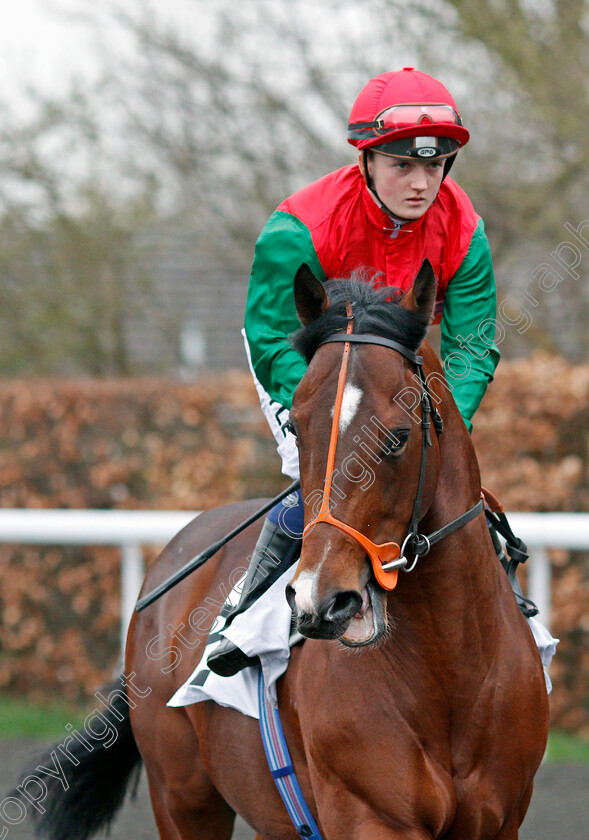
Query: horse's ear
x=421, y=298
x=310, y=296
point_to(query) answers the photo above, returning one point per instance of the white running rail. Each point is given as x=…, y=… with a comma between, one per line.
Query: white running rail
x=130, y=530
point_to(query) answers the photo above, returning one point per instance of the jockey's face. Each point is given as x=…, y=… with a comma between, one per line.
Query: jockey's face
x=407, y=187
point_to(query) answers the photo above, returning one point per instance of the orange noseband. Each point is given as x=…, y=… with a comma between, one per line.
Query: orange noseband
x=380, y=555
x=388, y=558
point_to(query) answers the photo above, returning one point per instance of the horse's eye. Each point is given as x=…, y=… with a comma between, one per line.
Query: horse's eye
x=289, y=426
x=397, y=441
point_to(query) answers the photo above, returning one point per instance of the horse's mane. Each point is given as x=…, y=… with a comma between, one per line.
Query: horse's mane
x=376, y=311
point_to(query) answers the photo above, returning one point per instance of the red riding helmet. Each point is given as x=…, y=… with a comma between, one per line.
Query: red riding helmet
x=407, y=114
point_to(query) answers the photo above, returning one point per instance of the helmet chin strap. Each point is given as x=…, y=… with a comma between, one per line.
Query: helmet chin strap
x=398, y=221
x=372, y=188
x=448, y=163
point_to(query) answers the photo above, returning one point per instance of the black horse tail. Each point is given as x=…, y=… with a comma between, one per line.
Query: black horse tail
x=76, y=787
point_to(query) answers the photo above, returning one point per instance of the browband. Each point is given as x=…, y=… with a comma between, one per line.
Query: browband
x=357, y=338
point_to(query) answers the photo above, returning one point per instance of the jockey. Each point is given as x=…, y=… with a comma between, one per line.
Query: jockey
x=386, y=214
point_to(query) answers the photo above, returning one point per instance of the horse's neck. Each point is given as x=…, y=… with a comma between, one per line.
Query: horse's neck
x=448, y=620
x=457, y=586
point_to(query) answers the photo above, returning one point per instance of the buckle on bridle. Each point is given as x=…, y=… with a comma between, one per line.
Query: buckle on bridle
x=419, y=545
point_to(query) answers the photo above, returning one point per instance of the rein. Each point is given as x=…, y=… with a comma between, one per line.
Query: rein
x=387, y=558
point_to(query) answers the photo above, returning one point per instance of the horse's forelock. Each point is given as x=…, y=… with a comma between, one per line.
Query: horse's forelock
x=376, y=311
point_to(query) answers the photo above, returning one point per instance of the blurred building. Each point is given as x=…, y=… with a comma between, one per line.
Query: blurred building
x=188, y=314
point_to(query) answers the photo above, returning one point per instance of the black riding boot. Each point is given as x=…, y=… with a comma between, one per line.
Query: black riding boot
x=275, y=551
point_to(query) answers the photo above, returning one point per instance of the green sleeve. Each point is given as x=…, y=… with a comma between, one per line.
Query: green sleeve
x=469, y=313
x=270, y=316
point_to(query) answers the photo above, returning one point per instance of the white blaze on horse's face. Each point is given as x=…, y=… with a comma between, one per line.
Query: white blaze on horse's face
x=303, y=588
x=351, y=401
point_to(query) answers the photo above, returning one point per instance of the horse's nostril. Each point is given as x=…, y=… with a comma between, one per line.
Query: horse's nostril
x=291, y=596
x=342, y=606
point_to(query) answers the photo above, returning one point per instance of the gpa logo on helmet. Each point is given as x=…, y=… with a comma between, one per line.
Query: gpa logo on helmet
x=426, y=152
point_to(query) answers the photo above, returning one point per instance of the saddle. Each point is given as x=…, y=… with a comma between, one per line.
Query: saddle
x=517, y=550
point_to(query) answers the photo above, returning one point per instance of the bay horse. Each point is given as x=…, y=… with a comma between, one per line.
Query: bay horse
x=416, y=708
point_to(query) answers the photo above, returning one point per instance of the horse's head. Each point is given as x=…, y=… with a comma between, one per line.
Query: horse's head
x=365, y=454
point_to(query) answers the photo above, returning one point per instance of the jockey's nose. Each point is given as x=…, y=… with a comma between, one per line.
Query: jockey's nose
x=419, y=179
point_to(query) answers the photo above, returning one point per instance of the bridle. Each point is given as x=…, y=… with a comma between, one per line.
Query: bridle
x=387, y=558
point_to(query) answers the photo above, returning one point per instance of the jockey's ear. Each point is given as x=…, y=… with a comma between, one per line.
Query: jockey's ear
x=421, y=298
x=310, y=297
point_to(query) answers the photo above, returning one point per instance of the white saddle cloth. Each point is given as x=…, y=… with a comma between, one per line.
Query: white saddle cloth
x=546, y=645
x=264, y=630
